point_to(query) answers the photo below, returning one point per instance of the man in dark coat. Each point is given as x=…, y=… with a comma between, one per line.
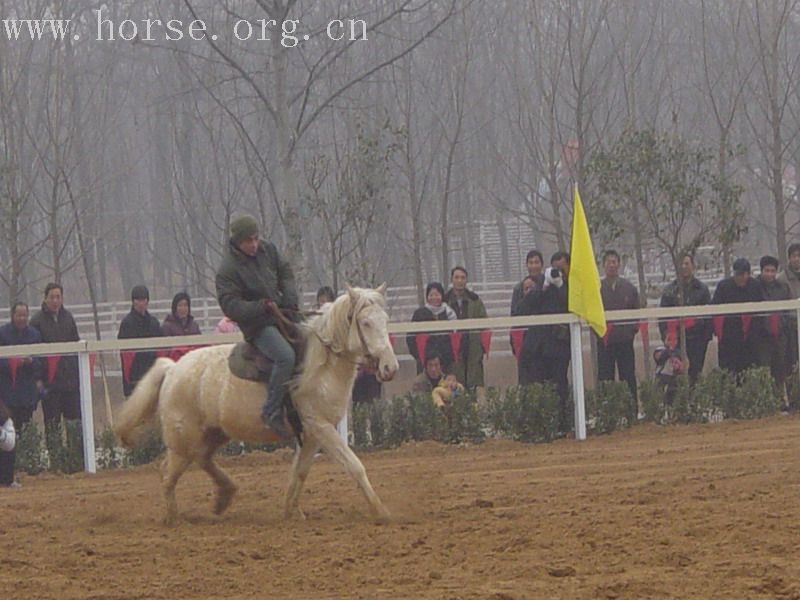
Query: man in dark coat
x=62, y=393
x=698, y=331
x=138, y=323
x=252, y=280
x=615, y=351
x=778, y=324
x=741, y=336
x=534, y=262
x=20, y=380
x=468, y=367
x=791, y=276
x=546, y=348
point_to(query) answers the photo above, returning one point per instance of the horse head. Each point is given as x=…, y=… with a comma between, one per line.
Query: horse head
x=368, y=330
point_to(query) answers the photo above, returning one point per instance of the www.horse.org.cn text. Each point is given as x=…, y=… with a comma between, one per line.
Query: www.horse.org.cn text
x=105, y=29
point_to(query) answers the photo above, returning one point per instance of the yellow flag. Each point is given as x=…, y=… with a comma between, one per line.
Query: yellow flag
x=584, y=281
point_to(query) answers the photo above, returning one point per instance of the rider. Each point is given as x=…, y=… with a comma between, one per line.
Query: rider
x=252, y=279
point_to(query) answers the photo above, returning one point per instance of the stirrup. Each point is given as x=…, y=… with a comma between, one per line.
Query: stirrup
x=276, y=423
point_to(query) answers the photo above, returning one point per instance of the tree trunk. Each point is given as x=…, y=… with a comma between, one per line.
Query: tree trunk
x=637, y=241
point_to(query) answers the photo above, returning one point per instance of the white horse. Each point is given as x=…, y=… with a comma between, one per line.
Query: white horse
x=202, y=405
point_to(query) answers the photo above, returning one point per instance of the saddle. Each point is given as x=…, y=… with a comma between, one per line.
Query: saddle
x=247, y=362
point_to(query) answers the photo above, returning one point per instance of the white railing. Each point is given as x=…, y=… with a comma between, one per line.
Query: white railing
x=84, y=348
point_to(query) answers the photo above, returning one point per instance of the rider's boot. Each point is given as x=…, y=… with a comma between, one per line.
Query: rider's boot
x=273, y=416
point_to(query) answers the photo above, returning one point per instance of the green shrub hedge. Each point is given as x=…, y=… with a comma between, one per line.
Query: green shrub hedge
x=522, y=413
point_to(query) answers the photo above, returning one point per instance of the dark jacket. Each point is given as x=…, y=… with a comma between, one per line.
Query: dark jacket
x=59, y=327
x=244, y=283
x=728, y=292
x=783, y=322
x=173, y=326
x=438, y=343
x=695, y=293
x=518, y=294
x=545, y=340
x=792, y=279
x=20, y=391
x=468, y=367
x=620, y=294
x=423, y=384
x=136, y=325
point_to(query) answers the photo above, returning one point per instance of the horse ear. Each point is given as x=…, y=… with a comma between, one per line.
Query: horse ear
x=352, y=293
x=381, y=289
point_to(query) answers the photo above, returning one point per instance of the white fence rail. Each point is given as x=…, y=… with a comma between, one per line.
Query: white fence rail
x=84, y=348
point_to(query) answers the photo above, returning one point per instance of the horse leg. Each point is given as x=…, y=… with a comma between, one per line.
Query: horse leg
x=335, y=447
x=301, y=465
x=214, y=438
x=173, y=467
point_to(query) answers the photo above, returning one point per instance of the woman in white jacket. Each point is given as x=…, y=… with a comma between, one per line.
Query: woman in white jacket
x=7, y=436
x=7, y=443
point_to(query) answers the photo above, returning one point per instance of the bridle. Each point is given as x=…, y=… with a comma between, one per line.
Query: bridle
x=365, y=352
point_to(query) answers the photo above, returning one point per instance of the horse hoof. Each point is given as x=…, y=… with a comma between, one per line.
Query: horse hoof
x=383, y=519
x=224, y=498
x=170, y=520
x=290, y=513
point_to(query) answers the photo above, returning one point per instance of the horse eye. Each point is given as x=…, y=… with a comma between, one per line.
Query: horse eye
x=366, y=324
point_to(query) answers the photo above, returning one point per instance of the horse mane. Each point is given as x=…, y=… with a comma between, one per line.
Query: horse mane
x=333, y=328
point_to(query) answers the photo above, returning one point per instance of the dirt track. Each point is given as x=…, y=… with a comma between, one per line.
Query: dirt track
x=677, y=512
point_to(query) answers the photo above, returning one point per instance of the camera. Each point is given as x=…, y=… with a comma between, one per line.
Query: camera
x=555, y=273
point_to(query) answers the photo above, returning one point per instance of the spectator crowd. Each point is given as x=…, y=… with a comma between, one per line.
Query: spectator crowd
x=447, y=363
x=543, y=352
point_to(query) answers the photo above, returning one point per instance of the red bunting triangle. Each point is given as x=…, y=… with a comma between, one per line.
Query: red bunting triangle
x=672, y=334
x=486, y=341
x=455, y=344
x=52, y=366
x=719, y=324
x=392, y=339
x=774, y=324
x=746, y=322
x=644, y=328
x=13, y=365
x=609, y=327
x=517, y=337
x=422, y=344
x=127, y=362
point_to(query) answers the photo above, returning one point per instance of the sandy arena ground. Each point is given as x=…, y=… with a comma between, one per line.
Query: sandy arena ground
x=678, y=512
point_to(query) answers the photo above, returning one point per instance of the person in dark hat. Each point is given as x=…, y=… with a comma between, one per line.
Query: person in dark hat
x=61, y=396
x=741, y=337
x=180, y=320
x=137, y=324
x=687, y=290
x=778, y=324
x=252, y=280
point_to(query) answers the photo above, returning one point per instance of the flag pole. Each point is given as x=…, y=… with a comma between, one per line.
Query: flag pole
x=577, y=379
x=585, y=301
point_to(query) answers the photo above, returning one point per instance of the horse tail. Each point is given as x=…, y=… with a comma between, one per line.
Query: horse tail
x=141, y=407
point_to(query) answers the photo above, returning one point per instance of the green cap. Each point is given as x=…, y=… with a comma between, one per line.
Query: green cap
x=243, y=228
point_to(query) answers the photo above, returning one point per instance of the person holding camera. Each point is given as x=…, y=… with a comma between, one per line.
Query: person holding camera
x=615, y=350
x=545, y=353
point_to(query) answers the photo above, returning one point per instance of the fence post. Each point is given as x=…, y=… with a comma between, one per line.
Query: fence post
x=343, y=427
x=87, y=414
x=577, y=379
x=797, y=316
